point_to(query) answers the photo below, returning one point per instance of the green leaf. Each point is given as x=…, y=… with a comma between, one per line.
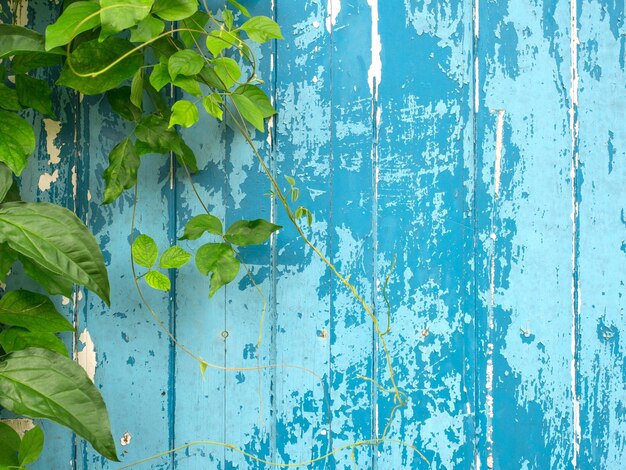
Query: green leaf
x=145, y=251
x=196, y=22
x=39, y=383
x=304, y=212
x=200, y=224
x=227, y=70
x=217, y=259
x=154, y=131
x=17, y=39
x=136, y=89
x=240, y=7
x=28, y=61
x=148, y=28
x=121, y=173
x=159, y=76
x=184, y=113
x=17, y=141
x=188, y=84
x=203, y=367
x=158, y=281
x=57, y=240
x=174, y=257
x=250, y=232
x=175, y=10
x=187, y=158
x=34, y=93
x=118, y=15
x=32, y=311
x=228, y=18
x=92, y=57
x=212, y=105
x=290, y=180
x=186, y=62
x=258, y=98
x=6, y=180
x=219, y=40
x=261, y=29
x=7, y=258
x=31, y=446
x=249, y=111
x=119, y=99
x=9, y=445
x=71, y=23
x=8, y=98
x=16, y=339
x=53, y=283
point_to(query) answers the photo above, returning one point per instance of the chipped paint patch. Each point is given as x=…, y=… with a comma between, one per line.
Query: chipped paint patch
x=52, y=129
x=20, y=425
x=46, y=180
x=126, y=438
x=86, y=357
x=20, y=7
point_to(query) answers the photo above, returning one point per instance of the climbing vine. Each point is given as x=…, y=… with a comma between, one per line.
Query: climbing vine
x=140, y=54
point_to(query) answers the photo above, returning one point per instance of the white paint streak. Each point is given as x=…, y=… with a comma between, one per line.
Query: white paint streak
x=476, y=18
x=19, y=425
x=497, y=167
x=86, y=357
x=333, y=8
x=375, y=72
x=46, y=180
x=573, y=124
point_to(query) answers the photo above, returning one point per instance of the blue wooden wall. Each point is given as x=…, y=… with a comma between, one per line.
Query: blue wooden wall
x=481, y=144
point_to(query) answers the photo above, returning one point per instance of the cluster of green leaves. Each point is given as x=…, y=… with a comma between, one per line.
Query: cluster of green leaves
x=17, y=451
x=218, y=260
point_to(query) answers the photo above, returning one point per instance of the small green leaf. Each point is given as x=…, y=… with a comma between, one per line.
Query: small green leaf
x=77, y=18
x=39, y=383
x=240, y=7
x=121, y=173
x=6, y=180
x=17, y=141
x=32, y=311
x=227, y=70
x=250, y=232
x=184, y=113
x=248, y=111
x=148, y=28
x=304, y=212
x=34, y=93
x=258, y=98
x=203, y=367
x=174, y=258
x=175, y=10
x=16, y=339
x=8, y=98
x=217, y=259
x=199, y=224
x=9, y=445
x=92, y=57
x=118, y=15
x=228, y=18
x=196, y=22
x=31, y=446
x=136, y=89
x=212, y=106
x=159, y=76
x=119, y=99
x=158, y=281
x=261, y=29
x=145, y=251
x=290, y=180
x=188, y=84
x=219, y=40
x=185, y=62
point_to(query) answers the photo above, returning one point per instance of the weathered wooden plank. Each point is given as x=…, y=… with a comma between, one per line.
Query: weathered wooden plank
x=302, y=292
x=599, y=226
x=351, y=228
x=524, y=235
x=421, y=73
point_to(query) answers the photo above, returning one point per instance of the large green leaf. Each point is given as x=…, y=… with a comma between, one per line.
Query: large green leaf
x=175, y=10
x=16, y=339
x=258, y=98
x=9, y=445
x=186, y=62
x=32, y=311
x=93, y=57
x=75, y=19
x=6, y=180
x=148, y=28
x=248, y=110
x=144, y=251
x=227, y=70
x=53, y=283
x=196, y=23
x=262, y=29
x=17, y=39
x=39, y=383
x=217, y=259
x=117, y=15
x=121, y=173
x=199, y=224
x=31, y=446
x=57, y=240
x=34, y=93
x=119, y=99
x=17, y=141
x=7, y=258
x=28, y=61
x=250, y=232
x=184, y=113
x=8, y=98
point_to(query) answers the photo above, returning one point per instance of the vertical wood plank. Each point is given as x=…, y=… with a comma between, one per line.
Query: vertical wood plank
x=524, y=238
x=601, y=221
x=303, y=296
x=424, y=187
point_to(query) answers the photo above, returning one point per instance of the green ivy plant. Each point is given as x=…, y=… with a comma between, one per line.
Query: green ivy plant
x=140, y=54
